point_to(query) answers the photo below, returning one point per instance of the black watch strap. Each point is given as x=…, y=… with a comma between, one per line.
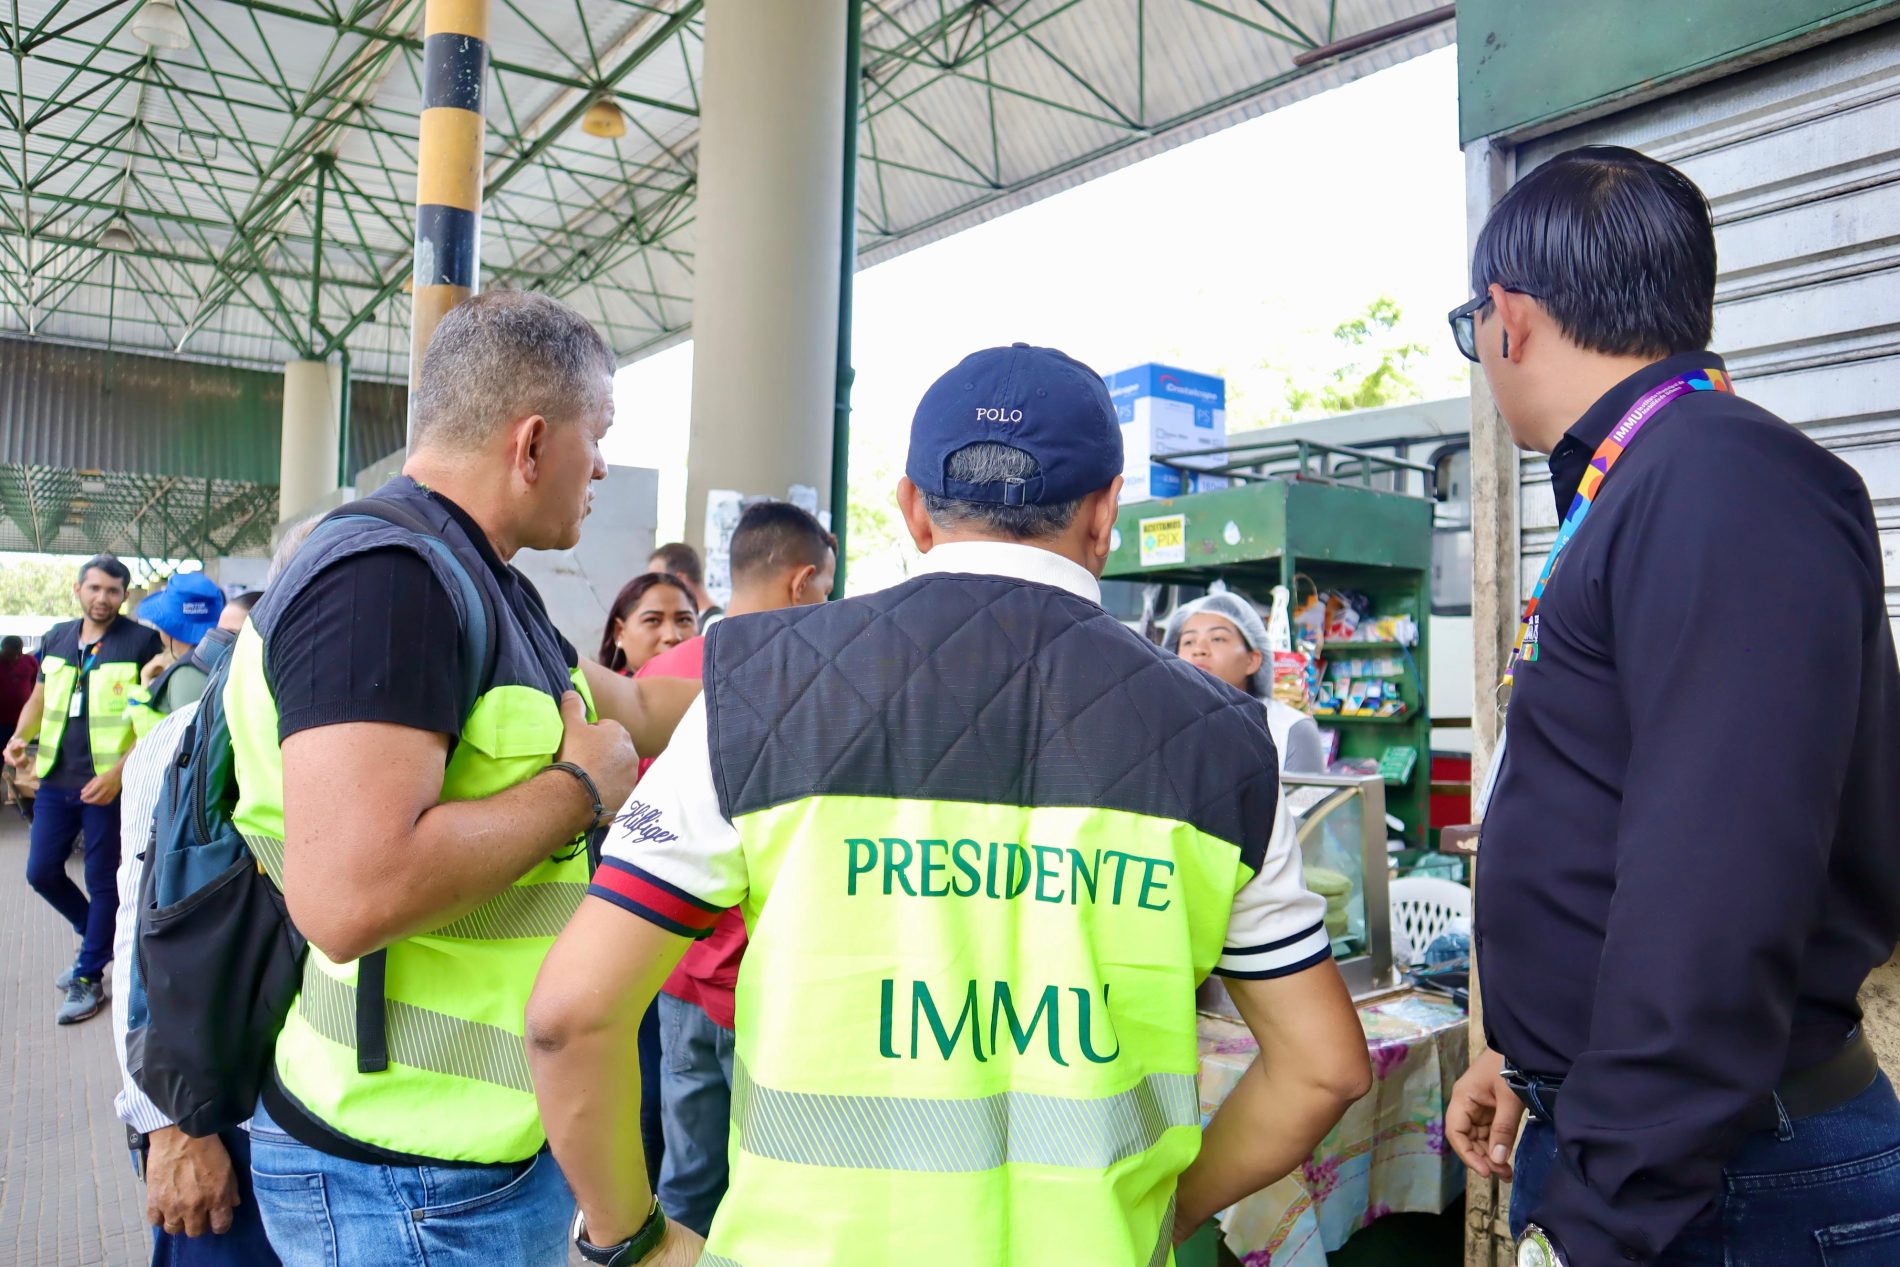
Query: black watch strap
x=587, y=782
x=629, y=1251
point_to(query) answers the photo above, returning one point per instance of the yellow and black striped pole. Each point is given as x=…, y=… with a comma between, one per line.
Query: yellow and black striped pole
x=448, y=166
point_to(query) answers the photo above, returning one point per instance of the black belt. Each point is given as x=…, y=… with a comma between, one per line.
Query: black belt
x=1803, y=1093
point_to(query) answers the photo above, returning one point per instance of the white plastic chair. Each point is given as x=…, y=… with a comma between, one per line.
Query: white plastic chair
x=1424, y=906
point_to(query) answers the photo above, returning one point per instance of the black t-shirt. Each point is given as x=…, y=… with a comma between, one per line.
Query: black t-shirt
x=124, y=640
x=374, y=638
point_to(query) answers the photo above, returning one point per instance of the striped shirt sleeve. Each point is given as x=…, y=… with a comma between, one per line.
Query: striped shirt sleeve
x=671, y=856
x=144, y=780
x=1278, y=925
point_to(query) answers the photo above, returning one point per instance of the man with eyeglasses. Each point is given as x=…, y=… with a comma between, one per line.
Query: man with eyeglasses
x=1691, y=851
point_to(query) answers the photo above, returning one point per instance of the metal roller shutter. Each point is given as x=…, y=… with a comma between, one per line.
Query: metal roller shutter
x=1800, y=159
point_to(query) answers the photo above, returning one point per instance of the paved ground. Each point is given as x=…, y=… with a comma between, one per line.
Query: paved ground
x=68, y=1197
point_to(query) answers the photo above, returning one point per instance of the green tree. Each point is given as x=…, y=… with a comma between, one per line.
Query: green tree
x=36, y=587
x=875, y=538
x=1376, y=368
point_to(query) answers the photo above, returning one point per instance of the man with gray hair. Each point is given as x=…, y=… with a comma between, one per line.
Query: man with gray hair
x=987, y=842
x=421, y=762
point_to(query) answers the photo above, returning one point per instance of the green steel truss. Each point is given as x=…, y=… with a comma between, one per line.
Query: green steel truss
x=266, y=172
x=51, y=510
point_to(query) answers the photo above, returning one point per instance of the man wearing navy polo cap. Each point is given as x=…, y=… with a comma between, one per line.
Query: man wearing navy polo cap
x=986, y=843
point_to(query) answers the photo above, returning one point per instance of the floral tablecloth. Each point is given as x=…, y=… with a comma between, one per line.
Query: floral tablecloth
x=1386, y=1156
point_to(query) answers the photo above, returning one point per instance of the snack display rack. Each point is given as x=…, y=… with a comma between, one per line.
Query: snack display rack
x=1301, y=512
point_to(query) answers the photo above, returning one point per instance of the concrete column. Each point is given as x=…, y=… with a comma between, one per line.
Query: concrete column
x=448, y=166
x=1494, y=618
x=765, y=289
x=307, y=464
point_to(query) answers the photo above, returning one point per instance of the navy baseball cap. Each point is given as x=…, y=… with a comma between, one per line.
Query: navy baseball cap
x=186, y=609
x=1039, y=400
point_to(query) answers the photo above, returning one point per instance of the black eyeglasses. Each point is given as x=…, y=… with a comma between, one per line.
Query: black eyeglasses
x=1464, y=321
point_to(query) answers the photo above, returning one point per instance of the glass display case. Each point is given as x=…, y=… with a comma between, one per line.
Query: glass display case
x=1339, y=822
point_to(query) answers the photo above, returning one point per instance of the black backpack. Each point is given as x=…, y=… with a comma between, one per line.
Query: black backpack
x=219, y=962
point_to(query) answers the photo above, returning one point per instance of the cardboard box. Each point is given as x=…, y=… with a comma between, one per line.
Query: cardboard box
x=1167, y=410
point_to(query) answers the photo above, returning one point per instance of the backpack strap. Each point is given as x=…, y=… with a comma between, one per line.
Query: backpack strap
x=478, y=634
x=372, y=1038
x=155, y=693
x=481, y=649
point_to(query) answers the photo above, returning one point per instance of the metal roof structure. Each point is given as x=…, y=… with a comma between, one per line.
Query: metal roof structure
x=249, y=197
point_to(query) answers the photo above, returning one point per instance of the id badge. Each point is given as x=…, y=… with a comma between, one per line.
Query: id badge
x=1491, y=776
x=77, y=704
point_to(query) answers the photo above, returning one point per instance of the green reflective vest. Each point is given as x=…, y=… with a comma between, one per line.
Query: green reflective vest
x=109, y=689
x=456, y=1086
x=991, y=843
x=180, y=684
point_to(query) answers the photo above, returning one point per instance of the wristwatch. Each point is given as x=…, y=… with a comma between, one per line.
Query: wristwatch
x=1537, y=1249
x=623, y=1253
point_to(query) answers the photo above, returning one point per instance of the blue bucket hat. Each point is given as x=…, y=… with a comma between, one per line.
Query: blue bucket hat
x=186, y=609
x=1039, y=400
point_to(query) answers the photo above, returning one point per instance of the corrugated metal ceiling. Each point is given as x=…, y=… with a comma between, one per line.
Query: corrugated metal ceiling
x=222, y=158
x=163, y=415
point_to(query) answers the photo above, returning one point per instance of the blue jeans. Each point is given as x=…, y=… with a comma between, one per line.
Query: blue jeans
x=245, y=1245
x=58, y=816
x=324, y=1211
x=1825, y=1192
x=696, y=1109
x=652, y=1137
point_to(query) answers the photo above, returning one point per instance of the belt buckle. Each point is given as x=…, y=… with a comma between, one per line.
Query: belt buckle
x=1531, y=1091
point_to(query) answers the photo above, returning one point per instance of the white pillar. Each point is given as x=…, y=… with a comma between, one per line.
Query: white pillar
x=765, y=287
x=307, y=462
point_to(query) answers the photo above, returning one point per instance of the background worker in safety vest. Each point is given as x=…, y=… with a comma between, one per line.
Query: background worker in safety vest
x=88, y=670
x=781, y=557
x=986, y=842
x=426, y=811
x=186, y=612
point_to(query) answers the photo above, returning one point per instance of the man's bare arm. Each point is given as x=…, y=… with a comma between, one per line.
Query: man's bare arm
x=583, y=1020
x=649, y=708
x=371, y=858
x=32, y=714
x=1312, y=1066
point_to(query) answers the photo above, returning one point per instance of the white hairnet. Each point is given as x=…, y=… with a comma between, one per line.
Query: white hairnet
x=1233, y=607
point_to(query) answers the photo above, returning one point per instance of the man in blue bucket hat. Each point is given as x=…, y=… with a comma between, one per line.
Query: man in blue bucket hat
x=184, y=612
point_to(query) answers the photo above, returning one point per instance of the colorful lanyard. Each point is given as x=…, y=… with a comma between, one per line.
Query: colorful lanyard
x=1619, y=439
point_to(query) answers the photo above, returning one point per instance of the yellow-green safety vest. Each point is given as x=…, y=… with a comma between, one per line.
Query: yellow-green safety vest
x=109, y=688
x=456, y=1086
x=978, y=904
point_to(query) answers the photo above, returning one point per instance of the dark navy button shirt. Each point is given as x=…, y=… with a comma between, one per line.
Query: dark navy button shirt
x=1692, y=860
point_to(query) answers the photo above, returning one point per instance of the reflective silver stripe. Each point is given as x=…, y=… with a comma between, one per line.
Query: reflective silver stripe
x=872, y=1132
x=1164, y=1244
x=417, y=1036
x=526, y=910
x=270, y=855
